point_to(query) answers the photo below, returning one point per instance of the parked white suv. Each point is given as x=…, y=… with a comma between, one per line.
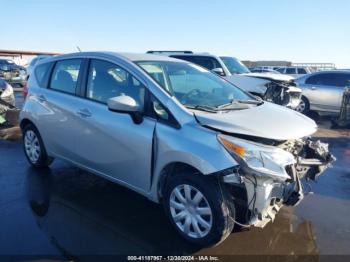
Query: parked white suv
x=279, y=89
x=174, y=132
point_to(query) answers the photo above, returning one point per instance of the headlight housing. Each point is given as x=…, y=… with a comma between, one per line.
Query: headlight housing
x=261, y=159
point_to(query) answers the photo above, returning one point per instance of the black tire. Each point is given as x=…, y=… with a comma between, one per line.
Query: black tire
x=222, y=207
x=43, y=160
x=306, y=109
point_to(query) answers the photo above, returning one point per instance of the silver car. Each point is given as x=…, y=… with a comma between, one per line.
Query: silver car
x=323, y=91
x=174, y=132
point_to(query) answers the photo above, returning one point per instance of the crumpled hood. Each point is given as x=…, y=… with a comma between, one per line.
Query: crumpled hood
x=270, y=76
x=269, y=121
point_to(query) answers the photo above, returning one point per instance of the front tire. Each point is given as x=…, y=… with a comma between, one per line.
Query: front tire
x=34, y=148
x=304, y=106
x=199, y=209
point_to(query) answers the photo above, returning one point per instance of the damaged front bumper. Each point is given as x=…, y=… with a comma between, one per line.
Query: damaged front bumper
x=264, y=195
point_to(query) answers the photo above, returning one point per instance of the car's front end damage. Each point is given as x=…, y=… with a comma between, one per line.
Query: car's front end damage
x=268, y=176
x=283, y=93
x=278, y=89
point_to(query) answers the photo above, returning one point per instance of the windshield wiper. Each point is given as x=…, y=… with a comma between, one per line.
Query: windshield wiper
x=203, y=108
x=235, y=103
x=251, y=102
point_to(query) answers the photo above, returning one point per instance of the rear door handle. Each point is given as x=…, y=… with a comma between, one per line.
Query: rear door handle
x=41, y=98
x=84, y=112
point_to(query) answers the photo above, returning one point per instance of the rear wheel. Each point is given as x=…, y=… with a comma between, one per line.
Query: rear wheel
x=304, y=105
x=34, y=148
x=199, y=209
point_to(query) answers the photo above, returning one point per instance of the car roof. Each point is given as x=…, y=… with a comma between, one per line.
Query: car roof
x=195, y=54
x=133, y=57
x=344, y=71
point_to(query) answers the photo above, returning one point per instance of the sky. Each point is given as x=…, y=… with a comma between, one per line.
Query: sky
x=292, y=30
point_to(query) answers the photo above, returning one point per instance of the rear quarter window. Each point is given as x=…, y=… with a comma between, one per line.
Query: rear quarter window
x=41, y=73
x=65, y=75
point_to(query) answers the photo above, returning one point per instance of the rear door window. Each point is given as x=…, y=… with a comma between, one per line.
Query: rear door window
x=301, y=71
x=65, y=76
x=291, y=70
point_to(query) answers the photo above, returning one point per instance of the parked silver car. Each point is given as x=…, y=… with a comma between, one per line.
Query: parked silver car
x=174, y=132
x=323, y=91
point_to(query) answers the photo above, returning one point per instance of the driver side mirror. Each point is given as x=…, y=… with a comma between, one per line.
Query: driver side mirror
x=127, y=105
x=219, y=71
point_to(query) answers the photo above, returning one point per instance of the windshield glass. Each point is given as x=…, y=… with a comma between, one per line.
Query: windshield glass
x=193, y=85
x=234, y=65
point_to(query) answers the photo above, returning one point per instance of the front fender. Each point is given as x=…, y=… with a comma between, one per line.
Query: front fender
x=192, y=145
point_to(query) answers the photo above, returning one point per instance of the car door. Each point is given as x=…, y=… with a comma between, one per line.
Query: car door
x=325, y=90
x=111, y=143
x=57, y=112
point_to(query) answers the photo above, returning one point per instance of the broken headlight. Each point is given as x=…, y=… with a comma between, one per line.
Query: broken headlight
x=259, y=159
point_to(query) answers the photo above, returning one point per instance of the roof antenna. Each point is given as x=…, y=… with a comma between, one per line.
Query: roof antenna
x=79, y=49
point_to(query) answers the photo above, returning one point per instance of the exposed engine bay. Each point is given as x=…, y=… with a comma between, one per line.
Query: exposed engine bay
x=313, y=157
x=283, y=93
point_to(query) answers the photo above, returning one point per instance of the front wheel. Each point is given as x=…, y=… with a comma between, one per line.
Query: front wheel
x=199, y=209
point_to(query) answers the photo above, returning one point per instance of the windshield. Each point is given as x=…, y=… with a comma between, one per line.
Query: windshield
x=193, y=85
x=234, y=65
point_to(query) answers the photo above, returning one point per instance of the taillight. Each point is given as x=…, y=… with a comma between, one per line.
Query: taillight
x=25, y=90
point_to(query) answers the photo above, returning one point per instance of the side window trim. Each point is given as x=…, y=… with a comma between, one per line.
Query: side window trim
x=48, y=86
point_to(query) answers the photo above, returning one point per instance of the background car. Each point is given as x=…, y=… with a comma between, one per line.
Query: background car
x=279, y=89
x=294, y=71
x=258, y=70
x=7, y=98
x=14, y=74
x=323, y=91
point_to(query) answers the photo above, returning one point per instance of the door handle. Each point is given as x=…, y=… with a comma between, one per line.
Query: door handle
x=84, y=112
x=313, y=88
x=41, y=98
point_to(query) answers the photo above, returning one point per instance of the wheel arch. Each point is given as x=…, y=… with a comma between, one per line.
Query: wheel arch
x=24, y=122
x=170, y=170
